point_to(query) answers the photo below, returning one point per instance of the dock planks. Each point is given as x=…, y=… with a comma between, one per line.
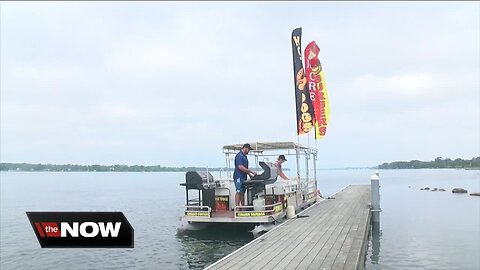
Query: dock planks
x=331, y=234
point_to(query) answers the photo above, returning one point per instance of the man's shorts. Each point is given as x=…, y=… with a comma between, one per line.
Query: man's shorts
x=239, y=186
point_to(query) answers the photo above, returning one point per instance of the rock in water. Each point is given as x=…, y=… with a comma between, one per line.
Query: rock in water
x=475, y=194
x=425, y=188
x=435, y=189
x=441, y=189
x=459, y=190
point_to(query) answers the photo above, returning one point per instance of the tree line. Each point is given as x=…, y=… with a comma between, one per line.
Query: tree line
x=97, y=168
x=439, y=162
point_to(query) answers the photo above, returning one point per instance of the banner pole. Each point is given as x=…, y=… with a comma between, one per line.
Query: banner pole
x=315, y=166
x=308, y=140
x=307, y=157
x=297, y=156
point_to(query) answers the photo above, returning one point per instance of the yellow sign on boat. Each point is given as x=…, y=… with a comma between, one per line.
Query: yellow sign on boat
x=251, y=214
x=197, y=214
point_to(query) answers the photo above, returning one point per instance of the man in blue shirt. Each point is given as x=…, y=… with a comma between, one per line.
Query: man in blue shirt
x=240, y=174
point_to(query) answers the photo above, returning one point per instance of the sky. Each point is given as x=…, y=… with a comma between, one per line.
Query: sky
x=170, y=83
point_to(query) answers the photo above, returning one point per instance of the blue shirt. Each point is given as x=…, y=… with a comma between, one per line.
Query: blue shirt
x=240, y=159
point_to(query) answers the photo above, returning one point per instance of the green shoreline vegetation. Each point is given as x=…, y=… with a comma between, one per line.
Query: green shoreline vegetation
x=27, y=167
x=438, y=163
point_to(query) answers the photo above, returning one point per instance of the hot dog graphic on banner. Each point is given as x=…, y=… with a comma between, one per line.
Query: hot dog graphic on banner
x=302, y=97
x=318, y=89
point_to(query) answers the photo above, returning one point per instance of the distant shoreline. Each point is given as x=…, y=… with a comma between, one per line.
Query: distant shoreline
x=437, y=163
x=29, y=167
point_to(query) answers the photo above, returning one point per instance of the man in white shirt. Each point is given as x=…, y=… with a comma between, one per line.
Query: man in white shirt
x=278, y=164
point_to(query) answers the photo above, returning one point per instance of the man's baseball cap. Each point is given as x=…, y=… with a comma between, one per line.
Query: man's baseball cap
x=247, y=145
x=282, y=157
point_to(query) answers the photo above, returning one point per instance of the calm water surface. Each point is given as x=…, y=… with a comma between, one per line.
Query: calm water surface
x=418, y=229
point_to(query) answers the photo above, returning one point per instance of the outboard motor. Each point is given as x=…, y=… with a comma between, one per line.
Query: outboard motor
x=256, y=185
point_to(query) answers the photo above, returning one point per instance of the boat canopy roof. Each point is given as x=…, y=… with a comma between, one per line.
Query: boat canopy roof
x=269, y=146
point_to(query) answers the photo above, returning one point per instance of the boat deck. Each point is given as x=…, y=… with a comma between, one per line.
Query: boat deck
x=223, y=214
x=331, y=234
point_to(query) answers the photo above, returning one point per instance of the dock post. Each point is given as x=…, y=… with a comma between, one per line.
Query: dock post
x=375, y=188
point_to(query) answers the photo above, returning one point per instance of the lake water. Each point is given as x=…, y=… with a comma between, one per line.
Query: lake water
x=418, y=229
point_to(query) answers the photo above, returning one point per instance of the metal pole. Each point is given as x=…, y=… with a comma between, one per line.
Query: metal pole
x=315, y=164
x=297, y=156
x=375, y=191
x=227, y=163
x=308, y=140
x=307, y=158
x=315, y=167
x=256, y=157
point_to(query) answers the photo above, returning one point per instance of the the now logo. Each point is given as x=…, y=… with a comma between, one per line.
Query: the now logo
x=81, y=229
x=86, y=229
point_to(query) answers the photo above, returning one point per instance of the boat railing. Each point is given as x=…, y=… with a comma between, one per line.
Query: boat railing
x=307, y=185
x=252, y=211
x=195, y=201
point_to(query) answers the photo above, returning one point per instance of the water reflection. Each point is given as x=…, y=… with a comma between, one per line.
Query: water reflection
x=203, y=247
x=376, y=235
x=374, y=244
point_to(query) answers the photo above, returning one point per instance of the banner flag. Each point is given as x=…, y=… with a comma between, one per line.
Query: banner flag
x=318, y=89
x=304, y=107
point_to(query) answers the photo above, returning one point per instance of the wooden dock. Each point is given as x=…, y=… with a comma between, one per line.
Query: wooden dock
x=331, y=234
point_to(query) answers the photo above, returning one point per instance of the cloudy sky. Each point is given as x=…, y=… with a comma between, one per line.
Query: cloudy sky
x=171, y=83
